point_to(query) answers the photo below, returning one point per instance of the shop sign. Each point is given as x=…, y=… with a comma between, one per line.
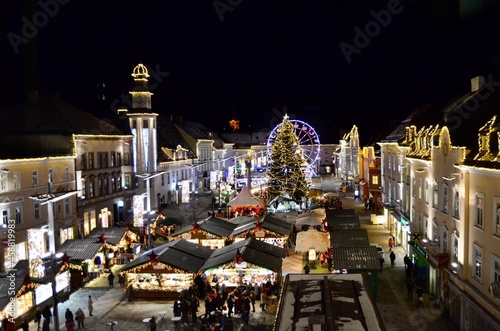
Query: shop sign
x=186, y=236
x=260, y=234
x=422, y=252
x=406, y=228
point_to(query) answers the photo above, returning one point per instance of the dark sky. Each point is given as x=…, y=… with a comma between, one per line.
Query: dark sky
x=253, y=59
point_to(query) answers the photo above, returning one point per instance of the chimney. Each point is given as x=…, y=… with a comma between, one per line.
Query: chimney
x=477, y=83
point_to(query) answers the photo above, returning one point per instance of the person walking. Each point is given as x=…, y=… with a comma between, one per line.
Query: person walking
x=382, y=261
x=393, y=258
x=307, y=269
x=90, y=305
x=152, y=324
x=391, y=243
x=25, y=326
x=409, y=286
x=70, y=325
x=111, y=279
x=38, y=317
x=80, y=318
x=68, y=315
x=406, y=261
x=420, y=296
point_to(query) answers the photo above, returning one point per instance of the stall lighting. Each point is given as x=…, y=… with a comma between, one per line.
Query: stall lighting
x=425, y=241
x=454, y=265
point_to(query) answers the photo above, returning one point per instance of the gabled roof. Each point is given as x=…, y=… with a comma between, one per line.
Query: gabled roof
x=114, y=234
x=343, y=223
x=252, y=251
x=340, y=212
x=80, y=249
x=245, y=198
x=21, y=268
x=168, y=136
x=180, y=254
x=349, y=238
x=356, y=259
x=213, y=225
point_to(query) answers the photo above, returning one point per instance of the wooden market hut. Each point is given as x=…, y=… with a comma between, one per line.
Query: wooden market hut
x=245, y=203
x=343, y=223
x=349, y=238
x=118, y=243
x=212, y=232
x=163, y=272
x=23, y=292
x=270, y=229
x=246, y=261
x=86, y=259
x=339, y=212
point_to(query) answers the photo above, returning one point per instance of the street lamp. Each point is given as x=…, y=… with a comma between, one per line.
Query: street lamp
x=49, y=199
x=147, y=176
x=147, y=222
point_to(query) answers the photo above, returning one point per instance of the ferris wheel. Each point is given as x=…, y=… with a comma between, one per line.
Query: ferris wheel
x=308, y=139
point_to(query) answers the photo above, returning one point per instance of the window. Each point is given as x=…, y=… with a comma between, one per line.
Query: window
x=83, y=162
x=104, y=159
x=19, y=219
x=91, y=188
x=163, y=180
x=5, y=217
x=478, y=260
x=37, y=211
x=496, y=270
x=119, y=183
x=66, y=174
x=113, y=159
x=84, y=188
x=426, y=226
x=91, y=160
x=3, y=182
x=17, y=180
x=455, y=247
x=113, y=184
x=100, y=187
x=444, y=241
x=496, y=212
x=126, y=158
x=420, y=188
x=435, y=195
x=67, y=207
x=426, y=192
x=479, y=210
x=168, y=177
x=435, y=233
x=127, y=182
x=414, y=186
x=445, y=198
x=34, y=178
x=106, y=186
x=456, y=204
x=50, y=179
x=118, y=159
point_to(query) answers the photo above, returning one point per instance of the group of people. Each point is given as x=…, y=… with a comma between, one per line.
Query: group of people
x=79, y=316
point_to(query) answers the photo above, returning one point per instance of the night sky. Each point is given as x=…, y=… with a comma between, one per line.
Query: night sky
x=255, y=59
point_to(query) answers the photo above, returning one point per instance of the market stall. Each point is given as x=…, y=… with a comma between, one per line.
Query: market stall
x=118, y=244
x=163, y=272
x=17, y=300
x=246, y=204
x=244, y=262
x=270, y=230
x=212, y=232
x=86, y=259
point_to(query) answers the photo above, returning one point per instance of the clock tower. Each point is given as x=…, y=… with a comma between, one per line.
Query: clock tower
x=143, y=123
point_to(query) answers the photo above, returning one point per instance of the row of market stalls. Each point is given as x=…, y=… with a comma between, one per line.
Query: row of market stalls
x=216, y=232
x=103, y=248
x=165, y=271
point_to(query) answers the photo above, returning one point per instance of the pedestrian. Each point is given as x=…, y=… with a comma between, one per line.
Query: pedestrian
x=46, y=313
x=307, y=269
x=406, y=261
x=393, y=259
x=70, y=325
x=111, y=279
x=409, y=286
x=80, y=318
x=38, y=317
x=391, y=243
x=382, y=261
x=46, y=324
x=121, y=279
x=68, y=315
x=90, y=305
x=152, y=324
x=420, y=296
x=25, y=326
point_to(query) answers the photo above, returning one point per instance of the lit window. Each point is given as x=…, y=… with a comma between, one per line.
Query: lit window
x=456, y=204
x=444, y=243
x=17, y=180
x=479, y=210
x=19, y=219
x=496, y=270
x=37, y=211
x=34, y=177
x=375, y=179
x=435, y=195
x=66, y=174
x=3, y=182
x=455, y=248
x=478, y=260
x=445, y=199
x=497, y=216
x=426, y=192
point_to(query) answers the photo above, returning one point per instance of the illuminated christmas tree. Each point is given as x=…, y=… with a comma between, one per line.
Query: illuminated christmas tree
x=286, y=175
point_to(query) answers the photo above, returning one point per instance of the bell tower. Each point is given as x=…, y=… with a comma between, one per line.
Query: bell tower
x=143, y=123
